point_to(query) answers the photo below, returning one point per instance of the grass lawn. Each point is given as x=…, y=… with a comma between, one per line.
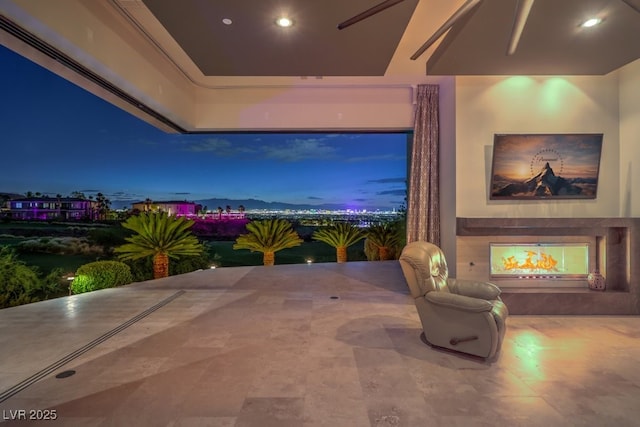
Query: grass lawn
x=315, y=251
x=47, y=262
x=11, y=241
x=225, y=256
x=44, y=225
x=221, y=252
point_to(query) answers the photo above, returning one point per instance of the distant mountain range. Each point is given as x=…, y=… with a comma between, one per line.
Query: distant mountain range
x=256, y=204
x=546, y=183
x=251, y=204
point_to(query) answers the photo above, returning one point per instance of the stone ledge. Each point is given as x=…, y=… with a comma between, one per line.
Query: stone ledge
x=569, y=301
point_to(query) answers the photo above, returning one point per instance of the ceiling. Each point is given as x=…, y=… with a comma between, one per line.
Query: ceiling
x=177, y=65
x=254, y=46
x=551, y=43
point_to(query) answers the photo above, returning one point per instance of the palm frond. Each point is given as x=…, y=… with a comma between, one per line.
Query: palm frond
x=339, y=235
x=270, y=235
x=384, y=235
x=159, y=233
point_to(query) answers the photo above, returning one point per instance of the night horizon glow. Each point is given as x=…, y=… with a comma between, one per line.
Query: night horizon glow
x=59, y=139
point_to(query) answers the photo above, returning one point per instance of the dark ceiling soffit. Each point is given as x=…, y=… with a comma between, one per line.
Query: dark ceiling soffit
x=23, y=35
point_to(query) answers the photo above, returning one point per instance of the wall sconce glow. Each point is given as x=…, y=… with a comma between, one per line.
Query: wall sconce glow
x=227, y=21
x=592, y=22
x=284, y=22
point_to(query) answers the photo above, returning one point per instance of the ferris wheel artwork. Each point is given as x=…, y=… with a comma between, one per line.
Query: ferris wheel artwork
x=545, y=166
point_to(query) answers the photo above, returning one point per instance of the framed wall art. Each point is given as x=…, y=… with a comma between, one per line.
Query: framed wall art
x=545, y=166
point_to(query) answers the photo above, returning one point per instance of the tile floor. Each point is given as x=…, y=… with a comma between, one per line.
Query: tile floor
x=268, y=346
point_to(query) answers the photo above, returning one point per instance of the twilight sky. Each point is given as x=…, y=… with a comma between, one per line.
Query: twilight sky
x=58, y=138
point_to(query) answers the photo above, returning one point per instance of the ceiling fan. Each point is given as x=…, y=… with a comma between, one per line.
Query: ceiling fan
x=523, y=8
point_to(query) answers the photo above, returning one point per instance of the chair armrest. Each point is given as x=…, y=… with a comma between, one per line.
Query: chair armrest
x=459, y=302
x=474, y=289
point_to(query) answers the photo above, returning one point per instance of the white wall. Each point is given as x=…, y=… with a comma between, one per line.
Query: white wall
x=103, y=42
x=630, y=139
x=489, y=105
x=305, y=107
x=447, y=171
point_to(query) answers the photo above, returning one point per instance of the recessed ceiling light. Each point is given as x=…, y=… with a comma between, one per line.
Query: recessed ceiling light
x=592, y=22
x=227, y=21
x=283, y=21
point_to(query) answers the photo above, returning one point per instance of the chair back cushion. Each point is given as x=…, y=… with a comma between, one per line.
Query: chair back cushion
x=424, y=267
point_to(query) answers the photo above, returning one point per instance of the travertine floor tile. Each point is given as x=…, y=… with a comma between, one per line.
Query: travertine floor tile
x=257, y=346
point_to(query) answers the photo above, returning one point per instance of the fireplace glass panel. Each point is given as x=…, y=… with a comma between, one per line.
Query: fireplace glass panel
x=539, y=260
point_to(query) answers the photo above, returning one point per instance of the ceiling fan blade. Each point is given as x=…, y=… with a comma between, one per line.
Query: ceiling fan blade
x=632, y=6
x=368, y=13
x=522, y=14
x=464, y=9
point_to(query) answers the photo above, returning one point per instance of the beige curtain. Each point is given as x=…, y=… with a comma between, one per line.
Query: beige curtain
x=423, y=204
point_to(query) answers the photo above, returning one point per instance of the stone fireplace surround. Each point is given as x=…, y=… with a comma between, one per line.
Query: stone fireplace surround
x=618, y=241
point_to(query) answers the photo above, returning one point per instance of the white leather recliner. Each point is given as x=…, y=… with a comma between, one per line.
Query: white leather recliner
x=461, y=315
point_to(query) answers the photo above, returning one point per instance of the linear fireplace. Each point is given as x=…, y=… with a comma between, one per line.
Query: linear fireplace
x=540, y=263
x=529, y=261
x=535, y=261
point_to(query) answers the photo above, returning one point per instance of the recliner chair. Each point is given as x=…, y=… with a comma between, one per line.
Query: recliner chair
x=461, y=315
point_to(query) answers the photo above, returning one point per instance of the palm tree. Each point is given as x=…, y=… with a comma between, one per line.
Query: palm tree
x=78, y=195
x=147, y=204
x=58, y=205
x=159, y=236
x=220, y=210
x=385, y=237
x=340, y=236
x=268, y=236
x=102, y=206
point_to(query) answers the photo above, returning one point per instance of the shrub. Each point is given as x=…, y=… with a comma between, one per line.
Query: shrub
x=188, y=264
x=19, y=283
x=142, y=269
x=220, y=230
x=59, y=245
x=109, y=238
x=53, y=285
x=101, y=275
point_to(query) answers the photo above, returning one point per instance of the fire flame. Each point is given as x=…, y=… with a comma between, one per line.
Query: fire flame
x=534, y=261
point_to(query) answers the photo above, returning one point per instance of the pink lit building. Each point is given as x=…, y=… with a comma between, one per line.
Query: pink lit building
x=172, y=207
x=52, y=208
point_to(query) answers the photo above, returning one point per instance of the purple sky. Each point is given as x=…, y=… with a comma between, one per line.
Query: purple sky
x=58, y=138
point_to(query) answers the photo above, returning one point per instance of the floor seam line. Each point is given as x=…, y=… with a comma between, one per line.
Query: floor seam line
x=66, y=359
